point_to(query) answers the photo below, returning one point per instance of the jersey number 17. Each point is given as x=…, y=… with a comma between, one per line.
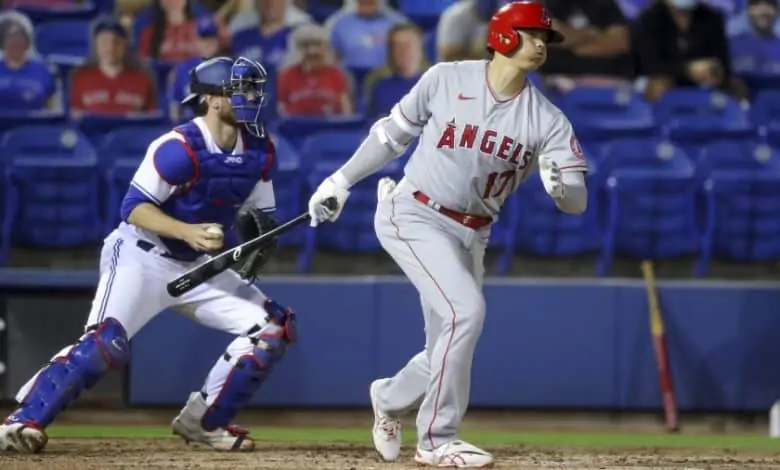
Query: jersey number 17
x=497, y=184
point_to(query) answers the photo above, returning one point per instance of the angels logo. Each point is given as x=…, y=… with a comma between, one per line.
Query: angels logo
x=576, y=150
x=546, y=18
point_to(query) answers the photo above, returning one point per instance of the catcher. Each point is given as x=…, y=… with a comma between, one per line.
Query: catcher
x=212, y=172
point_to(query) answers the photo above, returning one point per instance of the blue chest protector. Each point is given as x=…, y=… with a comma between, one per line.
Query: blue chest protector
x=220, y=185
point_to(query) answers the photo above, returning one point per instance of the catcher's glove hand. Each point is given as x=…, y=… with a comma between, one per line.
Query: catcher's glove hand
x=251, y=223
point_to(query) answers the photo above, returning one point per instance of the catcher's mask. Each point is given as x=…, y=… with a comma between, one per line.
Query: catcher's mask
x=242, y=80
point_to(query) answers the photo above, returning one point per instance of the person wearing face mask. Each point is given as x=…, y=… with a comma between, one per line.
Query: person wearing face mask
x=461, y=31
x=683, y=43
x=309, y=82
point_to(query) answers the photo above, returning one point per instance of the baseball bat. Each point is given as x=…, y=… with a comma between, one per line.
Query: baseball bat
x=660, y=348
x=228, y=258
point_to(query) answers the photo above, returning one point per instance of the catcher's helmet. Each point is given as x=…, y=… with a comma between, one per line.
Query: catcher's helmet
x=527, y=14
x=242, y=80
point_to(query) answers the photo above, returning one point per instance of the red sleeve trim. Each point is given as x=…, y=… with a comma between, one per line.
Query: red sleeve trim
x=269, y=161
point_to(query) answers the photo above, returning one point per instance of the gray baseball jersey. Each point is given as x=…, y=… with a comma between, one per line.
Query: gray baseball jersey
x=475, y=148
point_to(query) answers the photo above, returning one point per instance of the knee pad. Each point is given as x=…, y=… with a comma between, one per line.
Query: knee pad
x=77, y=368
x=248, y=374
x=283, y=317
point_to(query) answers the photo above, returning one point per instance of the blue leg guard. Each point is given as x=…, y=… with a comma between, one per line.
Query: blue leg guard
x=250, y=370
x=62, y=380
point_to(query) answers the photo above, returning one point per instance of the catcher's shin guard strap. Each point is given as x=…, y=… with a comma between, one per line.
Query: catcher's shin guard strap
x=246, y=377
x=75, y=369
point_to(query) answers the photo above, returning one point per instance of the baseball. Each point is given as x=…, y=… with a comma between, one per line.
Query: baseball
x=214, y=230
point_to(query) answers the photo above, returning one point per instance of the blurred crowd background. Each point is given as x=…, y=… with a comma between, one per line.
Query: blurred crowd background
x=685, y=87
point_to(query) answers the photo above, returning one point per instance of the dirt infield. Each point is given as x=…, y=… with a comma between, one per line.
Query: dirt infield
x=174, y=454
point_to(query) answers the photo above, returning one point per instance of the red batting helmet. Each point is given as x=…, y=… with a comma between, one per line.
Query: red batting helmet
x=528, y=14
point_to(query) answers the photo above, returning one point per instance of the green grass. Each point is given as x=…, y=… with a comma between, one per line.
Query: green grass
x=492, y=438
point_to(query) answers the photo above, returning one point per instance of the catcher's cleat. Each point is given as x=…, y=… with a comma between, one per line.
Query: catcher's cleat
x=188, y=426
x=24, y=438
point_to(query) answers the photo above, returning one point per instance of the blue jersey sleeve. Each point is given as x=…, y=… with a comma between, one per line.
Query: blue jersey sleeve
x=167, y=165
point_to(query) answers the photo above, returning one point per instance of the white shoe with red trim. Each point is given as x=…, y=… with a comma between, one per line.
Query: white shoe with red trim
x=386, y=431
x=455, y=454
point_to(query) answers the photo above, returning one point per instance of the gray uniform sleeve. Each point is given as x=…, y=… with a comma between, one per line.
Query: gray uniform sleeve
x=562, y=147
x=390, y=136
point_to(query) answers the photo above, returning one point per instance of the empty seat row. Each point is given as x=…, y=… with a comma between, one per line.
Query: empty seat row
x=649, y=199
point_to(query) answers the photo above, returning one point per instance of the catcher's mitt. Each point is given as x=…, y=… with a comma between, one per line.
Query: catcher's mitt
x=251, y=223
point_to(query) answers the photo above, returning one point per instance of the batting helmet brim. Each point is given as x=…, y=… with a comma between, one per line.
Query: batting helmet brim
x=192, y=98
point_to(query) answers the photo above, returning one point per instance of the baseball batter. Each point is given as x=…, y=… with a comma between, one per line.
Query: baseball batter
x=483, y=129
x=193, y=181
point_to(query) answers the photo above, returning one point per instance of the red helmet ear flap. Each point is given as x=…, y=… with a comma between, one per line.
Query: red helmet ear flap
x=504, y=39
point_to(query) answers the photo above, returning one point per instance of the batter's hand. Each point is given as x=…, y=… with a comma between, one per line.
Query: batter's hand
x=385, y=186
x=551, y=178
x=327, y=189
x=203, y=237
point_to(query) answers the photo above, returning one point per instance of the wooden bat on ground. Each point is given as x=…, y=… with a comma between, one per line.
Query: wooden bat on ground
x=661, y=349
x=228, y=258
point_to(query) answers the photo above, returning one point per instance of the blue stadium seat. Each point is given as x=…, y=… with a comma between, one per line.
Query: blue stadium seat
x=535, y=225
x=602, y=114
x=12, y=119
x=386, y=93
x=297, y=128
x=64, y=41
x=84, y=10
x=97, y=126
x=52, y=184
x=772, y=133
x=330, y=146
x=766, y=108
x=288, y=189
x=691, y=117
x=650, y=202
x=742, y=203
x=353, y=232
x=120, y=153
x=429, y=41
x=743, y=215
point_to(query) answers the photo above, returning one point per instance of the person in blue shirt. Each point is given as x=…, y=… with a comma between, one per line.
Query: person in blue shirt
x=756, y=17
x=358, y=33
x=178, y=83
x=194, y=181
x=26, y=82
x=756, y=50
x=267, y=38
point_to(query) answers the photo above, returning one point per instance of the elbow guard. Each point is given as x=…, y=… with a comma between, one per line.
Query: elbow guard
x=391, y=136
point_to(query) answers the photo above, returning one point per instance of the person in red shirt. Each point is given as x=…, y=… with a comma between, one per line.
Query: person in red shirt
x=311, y=84
x=171, y=33
x=112, y=82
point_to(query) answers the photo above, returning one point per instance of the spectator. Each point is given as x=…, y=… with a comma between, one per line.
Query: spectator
x=462, y=29
x=266, y=41
x=358, y=32
x=26, y=83
x=112, y=82
x=757, y=50
x=406, y=63
x=208, y=46
x=753, y=18
x=249, y=17
x=683, y=43
x=596, y=46
x=170, y=34
x=310, y=83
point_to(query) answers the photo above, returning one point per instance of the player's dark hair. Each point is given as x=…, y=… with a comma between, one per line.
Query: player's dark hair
x=159, y=24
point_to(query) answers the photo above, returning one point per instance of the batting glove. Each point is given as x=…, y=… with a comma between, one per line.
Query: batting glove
x=386, y=186
x=551, y=178
x=327, y=189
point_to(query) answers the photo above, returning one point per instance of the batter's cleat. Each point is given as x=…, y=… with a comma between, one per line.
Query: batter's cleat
x=24, y=438
x=188, y=426
x=455, y=454
x=386, y=431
